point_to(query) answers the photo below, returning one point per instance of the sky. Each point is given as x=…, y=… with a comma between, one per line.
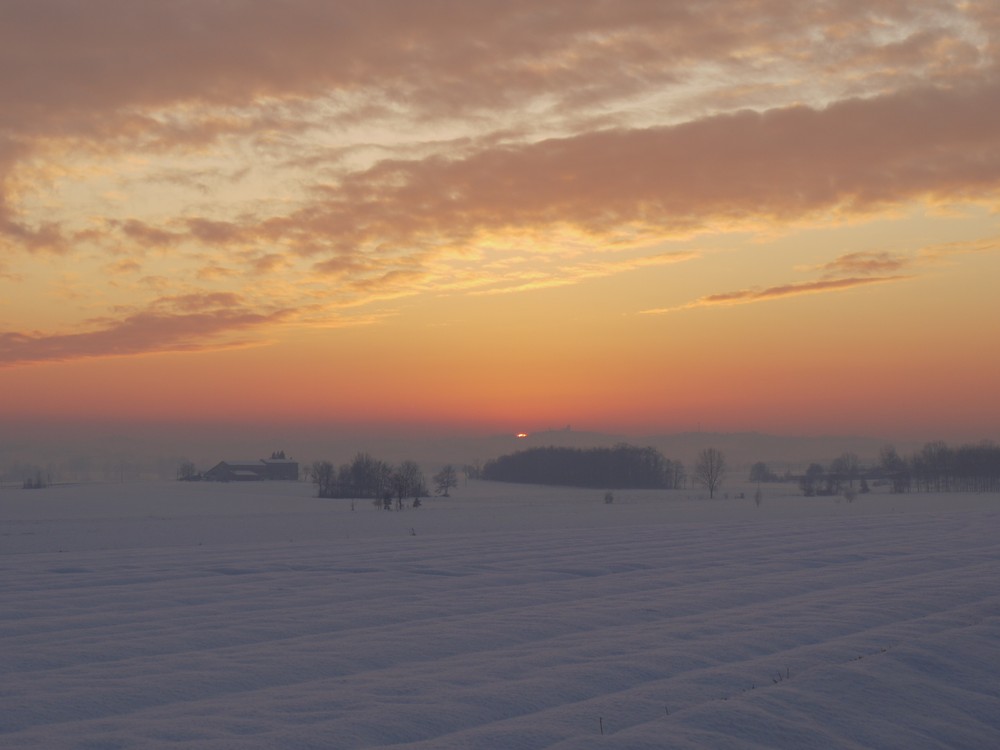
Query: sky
x=631, y=216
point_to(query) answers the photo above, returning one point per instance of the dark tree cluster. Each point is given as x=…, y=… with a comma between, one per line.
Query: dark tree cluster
x=368, y=477
x=188, y=472
x=968, y=468
x=35, y=482
x=30, y=476
x=621, y=467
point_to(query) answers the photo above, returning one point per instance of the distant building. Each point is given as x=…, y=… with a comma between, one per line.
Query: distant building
x=254, y=471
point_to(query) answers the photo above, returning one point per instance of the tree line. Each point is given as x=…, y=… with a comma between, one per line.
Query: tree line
x=937, y=467
x=621, y=467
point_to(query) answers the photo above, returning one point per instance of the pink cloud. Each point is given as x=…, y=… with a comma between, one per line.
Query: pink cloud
x=147, y=235
x=866, y=263
x=114, y=76
x=853, y=156
x=790, y=290
x=748, y=296
x=186, y=323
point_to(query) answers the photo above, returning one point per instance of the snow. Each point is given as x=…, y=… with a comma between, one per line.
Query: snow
x=176, y=615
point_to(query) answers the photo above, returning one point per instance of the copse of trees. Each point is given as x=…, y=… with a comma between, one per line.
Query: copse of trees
x=621, y=467
x=367, y=477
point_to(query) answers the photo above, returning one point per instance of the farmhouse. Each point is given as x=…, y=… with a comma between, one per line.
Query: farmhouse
x=254, y=471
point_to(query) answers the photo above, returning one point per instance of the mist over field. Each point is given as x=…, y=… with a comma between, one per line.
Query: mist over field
x=96, y=451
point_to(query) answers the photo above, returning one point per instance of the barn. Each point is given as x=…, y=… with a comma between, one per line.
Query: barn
x=254, y=471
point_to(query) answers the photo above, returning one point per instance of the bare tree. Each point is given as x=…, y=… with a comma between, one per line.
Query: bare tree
x=673, y=474
x=846, y=466
x=895, y=469
x=368, y=476
x=472, y=471
x=709, y=470
x=324, y=476
x=187, y=471
x=445, y=480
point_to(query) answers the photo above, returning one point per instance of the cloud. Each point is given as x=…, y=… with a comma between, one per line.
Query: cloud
x=268, y=263
x=392, y=141
x=846, y=272
x=399, y=217
x=214, y=272
x=747, y=296
x=199, y=302
x=45, y=237
x=171, y=324
x=866, y=263
x=214, y=232
x=124, y=267
x=944, y=251
x=185, y=75
x=448, y=56
x=392, y=282
x=147, y=235
x=734, y=171
x=531, y=276
x=790, y=290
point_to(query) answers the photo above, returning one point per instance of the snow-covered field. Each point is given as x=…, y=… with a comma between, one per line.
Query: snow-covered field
x=255, y=616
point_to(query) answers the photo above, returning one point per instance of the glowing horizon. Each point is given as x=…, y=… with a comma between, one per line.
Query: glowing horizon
x=629, y=218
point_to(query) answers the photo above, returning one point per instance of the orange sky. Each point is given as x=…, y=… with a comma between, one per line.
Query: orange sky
x=631, y=216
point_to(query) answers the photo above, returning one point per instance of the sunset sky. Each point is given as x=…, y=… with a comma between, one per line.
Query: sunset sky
x=641, y=217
